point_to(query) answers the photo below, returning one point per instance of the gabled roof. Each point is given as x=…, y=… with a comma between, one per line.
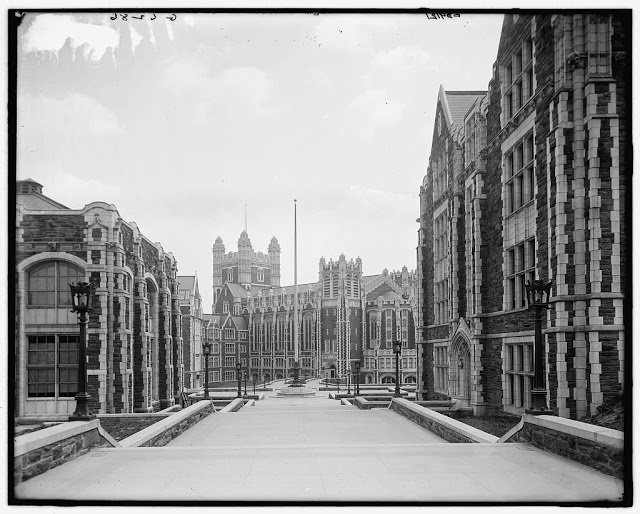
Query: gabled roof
x=459, y=103
x=237, y=290
x=383, y=286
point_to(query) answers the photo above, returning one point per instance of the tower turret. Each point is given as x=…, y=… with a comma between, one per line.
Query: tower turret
x=274, y=257
x=218, y=254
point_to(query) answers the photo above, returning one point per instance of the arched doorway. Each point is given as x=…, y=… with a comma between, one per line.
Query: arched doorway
x=410, y=380
x=279, y=376
x=388, y=380
x=461, y=370
x=332, y=371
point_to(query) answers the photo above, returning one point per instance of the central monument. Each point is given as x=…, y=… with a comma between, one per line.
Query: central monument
x=296, y=387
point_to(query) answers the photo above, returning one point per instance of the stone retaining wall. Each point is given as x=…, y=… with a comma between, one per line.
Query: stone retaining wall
x=447, y=428
x=165, y=430
x=42, y=450
x=598, y=447
x=121, y=426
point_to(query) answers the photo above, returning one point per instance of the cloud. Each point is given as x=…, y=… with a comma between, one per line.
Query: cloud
x=240, y=90
x=379, y=199
x=76, y=113
x=353, y=33
x=377, y=106
x=49, y=33
x=403, y=59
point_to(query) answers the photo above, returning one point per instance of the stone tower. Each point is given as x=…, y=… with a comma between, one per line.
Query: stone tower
x=245, y=253
x=218, y=254
x=274, y=257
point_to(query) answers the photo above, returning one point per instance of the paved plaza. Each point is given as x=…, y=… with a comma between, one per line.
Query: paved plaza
x=314, y=449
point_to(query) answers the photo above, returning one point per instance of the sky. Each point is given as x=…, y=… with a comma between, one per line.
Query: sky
x=184, y=124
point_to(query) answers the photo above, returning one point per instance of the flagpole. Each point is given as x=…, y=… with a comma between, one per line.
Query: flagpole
x=295, y=281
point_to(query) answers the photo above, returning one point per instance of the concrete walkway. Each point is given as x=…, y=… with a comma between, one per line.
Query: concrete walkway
x=314, y=449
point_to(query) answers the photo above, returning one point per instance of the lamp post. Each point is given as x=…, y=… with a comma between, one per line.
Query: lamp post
x=82, y=295
x=348, y=381
x=357, y=379
x=206, y=350
x=238, y=369
x=244, y=375
x=338, y=383
x=397, y=349
x=253, y=379
x=538, y=295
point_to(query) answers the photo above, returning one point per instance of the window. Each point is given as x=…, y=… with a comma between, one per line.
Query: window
x=229, y=376
x=52, y=365
x=520, y=268
x=441, y=272
x=260, y=275
x=229, y=362
x=518, y=370
x=440, y=175
x=229, y=348
x=229, y=333
x=279, y=362
x=243, y=335
x=306, y=362
x=266, y=362
x=48, y=284
x=373, y=328
x=559, y=49
x=291, y=362
x=236, y=309
x=225, y=307
x=243, y=347
x=517, y=79
x=215, y=348
x=215, y=361
x=470, y=150
x=388, y=326
x=441, y=368
x=599, y=45
x=519, y=174
x=230, y=275
x=215, y=376
x=404, y=326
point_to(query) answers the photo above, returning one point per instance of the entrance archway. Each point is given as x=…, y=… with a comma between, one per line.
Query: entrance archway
x=388, y=380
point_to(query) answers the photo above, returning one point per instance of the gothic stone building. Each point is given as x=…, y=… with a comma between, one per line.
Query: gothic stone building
x=343, y=318
x=528, y=182
x=133, y=333
x=192, y=330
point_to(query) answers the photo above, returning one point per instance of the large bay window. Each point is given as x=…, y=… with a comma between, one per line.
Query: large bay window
x=519, y=174
x=520, y=269
x=48, y=284
x=52, y=365
x=518, y=370
x=517, y=79
x=440, y=368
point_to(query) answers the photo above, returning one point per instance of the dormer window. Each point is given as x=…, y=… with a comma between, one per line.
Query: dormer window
x=230, y=276
x=225, y=307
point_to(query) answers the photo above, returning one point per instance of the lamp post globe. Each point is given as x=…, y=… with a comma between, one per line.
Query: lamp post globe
x=206, y=350
x=538, y=297
x=397, y=349
x=239, y=376
x=82, y=296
